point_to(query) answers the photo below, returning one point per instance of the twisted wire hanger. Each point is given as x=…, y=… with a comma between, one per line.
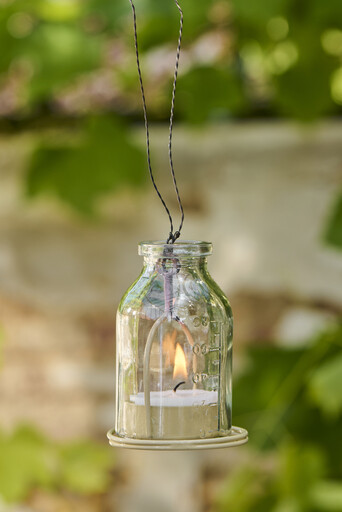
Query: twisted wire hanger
x=173, y=236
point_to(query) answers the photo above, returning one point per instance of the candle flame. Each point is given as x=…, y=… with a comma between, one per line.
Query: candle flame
x=169, y=348
x=179, y=370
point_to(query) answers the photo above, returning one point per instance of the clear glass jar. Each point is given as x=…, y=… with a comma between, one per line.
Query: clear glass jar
x=174, y=348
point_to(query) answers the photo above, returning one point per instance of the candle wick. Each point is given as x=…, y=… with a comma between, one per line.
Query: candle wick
x=176, y=387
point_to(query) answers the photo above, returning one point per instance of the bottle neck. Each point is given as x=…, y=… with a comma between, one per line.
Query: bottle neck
x=174, y=265
x=174, y=258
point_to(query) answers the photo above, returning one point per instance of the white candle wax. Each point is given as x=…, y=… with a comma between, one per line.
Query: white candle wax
x=184, y=414
x=180, y=398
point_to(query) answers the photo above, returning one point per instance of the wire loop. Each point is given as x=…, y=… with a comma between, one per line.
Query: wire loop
x=172, y=236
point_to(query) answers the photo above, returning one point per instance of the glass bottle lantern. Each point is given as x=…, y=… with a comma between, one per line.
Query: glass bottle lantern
x=174, y=354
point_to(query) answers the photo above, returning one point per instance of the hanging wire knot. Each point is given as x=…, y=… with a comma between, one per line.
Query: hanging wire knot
x=176, y=235
x=170, y=239
x=172, y=236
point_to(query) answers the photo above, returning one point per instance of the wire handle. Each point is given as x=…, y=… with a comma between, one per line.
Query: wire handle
x=173, y=236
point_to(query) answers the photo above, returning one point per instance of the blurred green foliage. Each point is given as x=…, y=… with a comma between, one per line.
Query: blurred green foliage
x=193, y=91
x=66, y=60
x=29, y=461
x=100, y=160
x=45, y=47
x=291, y=402
x=284, y=56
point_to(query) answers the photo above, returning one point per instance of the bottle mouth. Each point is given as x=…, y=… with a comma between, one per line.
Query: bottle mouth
x=182, y=249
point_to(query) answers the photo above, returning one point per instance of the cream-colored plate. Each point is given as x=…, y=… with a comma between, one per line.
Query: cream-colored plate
x=236, y=437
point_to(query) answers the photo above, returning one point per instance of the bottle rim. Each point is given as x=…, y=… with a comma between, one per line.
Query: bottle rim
x=180, y=249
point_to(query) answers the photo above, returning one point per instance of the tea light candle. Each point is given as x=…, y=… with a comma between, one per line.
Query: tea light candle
x=184, y=414
x=173, y=413
x=180, y=398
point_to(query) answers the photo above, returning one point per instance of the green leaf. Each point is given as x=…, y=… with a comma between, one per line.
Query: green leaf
x=243, y=491
x=279, y=403
x=325, y=386
x=333, y=234
x=301, y=467
x=301, y=91
x=85, y=467
x=29, y=461
x=329, y=12
x=267, y=372
x=102, y=162
x=207, y=93
x=327, y=496
x=287, y=505
x=160, y=21
x=58, y=53
x=258, y=12
x=26, y=460
x=63, y=10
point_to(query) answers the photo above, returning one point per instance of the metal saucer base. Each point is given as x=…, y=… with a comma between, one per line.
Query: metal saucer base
x=236, y=437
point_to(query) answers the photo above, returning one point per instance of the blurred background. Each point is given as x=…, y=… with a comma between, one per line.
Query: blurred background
x=258, y=156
